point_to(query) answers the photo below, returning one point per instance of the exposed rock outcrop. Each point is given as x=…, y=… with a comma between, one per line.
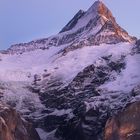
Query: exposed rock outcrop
x=125, y=125
x=13, y=127
x=79, y=97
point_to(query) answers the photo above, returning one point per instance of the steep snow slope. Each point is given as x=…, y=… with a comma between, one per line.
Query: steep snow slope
x=128, y=78
x=18, y=95
x=23, y=67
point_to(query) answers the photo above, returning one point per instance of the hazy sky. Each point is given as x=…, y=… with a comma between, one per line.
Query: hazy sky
x=26, y=20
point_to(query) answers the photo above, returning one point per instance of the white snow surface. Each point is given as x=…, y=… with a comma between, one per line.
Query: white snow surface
x=128, y=78
x=21, y=98
x=22, y=67
x=18, y=70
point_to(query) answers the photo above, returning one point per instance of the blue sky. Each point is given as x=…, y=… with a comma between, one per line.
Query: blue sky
x=26, y=20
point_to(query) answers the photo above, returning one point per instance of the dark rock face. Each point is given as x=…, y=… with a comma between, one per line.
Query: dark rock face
x=87, y=126
x=84, y=124
x=125, y=125
x=138, y=42
x=138, y=46
x=13, y=127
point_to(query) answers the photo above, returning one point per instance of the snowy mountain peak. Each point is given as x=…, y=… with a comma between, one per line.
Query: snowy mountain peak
x=82, y=18
x=95, y=8
x=92, y=27
x=99, y=8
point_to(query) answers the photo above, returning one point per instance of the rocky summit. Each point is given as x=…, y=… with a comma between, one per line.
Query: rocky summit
x=80, y=84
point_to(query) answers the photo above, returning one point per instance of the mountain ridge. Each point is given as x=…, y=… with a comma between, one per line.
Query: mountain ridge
x=96, y=24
